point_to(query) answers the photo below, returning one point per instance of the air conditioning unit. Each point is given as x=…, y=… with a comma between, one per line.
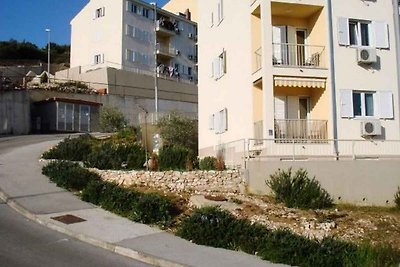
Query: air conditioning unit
x=371, y=128
x=366, y=55
x=190, y=57
x=190, y=35
x=177, y=52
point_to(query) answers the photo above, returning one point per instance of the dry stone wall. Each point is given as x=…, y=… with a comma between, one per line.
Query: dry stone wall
x=229, y=181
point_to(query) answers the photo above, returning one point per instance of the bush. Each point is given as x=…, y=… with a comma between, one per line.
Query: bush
x=109, y=155
x=111, y=119
x=125, y=136
x=149, y=208
x=173, y=157
x=208, y=164
x=69, y=175
x=298, y=190
x=213, y=227
x=73, y=149
x=179, y=130
x=397, y=198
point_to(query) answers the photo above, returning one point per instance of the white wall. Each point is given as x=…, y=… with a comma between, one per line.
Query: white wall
x=90, y=36
x=234, y=90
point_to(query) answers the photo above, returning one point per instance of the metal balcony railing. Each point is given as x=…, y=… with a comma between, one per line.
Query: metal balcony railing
x=257, y=60
x=166, y=50
x=301, y=129
x=295, y=55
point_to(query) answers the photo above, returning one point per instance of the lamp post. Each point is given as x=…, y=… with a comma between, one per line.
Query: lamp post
x=154, y=4
x=48, y=55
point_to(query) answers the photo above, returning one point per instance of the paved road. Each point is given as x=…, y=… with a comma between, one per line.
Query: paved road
x=25, y=243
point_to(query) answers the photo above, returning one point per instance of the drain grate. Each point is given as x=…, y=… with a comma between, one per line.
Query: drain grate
x=68, y=219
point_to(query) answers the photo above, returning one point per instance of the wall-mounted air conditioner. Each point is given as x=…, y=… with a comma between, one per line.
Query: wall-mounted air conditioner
x=190, y=57
x=371, y=128
x=366, y=55
x=190, y=35
x=177, y=52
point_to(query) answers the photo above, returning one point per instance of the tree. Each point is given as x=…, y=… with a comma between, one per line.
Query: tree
x=111, y=119
x=176, y=129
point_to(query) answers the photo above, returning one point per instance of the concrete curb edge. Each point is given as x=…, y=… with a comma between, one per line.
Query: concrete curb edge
x=123, y=251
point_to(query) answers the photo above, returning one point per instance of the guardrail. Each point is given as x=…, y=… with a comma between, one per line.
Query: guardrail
x=297, y=55
x=301, y=129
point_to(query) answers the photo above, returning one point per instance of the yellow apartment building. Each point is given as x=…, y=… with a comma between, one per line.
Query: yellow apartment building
x=299, y=78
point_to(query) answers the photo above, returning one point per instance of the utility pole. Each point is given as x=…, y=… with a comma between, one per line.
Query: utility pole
x=48, y=55
x=154, y=4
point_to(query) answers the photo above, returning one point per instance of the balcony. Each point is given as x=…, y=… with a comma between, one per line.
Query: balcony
x=166, y=28
x=302, y=130
x=295, y=55
x=165, y=51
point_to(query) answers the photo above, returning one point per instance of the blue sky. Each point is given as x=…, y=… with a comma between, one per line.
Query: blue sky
x=28, y=19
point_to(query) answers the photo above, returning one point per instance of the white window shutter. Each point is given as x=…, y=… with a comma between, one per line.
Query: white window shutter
x=224, y=122
x=381, y=34
x=211, y=123
x=217, y=123
x=385, y=105
x=216, y=68
x=346, y=103
x=343, y=31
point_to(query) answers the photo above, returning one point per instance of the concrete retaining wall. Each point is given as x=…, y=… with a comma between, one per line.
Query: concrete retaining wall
x=361, y=182
x=14, y=113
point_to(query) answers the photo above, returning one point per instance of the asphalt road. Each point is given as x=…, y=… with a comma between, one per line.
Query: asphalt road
x=25, y=243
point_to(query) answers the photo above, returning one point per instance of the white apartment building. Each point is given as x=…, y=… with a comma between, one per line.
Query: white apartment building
x=317, y=73
x=116, y=45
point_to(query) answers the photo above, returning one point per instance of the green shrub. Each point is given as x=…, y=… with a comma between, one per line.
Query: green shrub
x=125, y=136
x=69, y=175
x=111, y=119
x=149, y=208
x=213, y=227
x=109, y=155
x=73, y=149
x=173, y=157
x=397, y=198
x=208, y=164
x=298, y=190
x=179, y=130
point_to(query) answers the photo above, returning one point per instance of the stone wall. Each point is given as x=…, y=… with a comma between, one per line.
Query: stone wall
x=196, y=181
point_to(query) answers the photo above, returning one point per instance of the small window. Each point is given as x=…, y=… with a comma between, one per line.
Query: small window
x=359, y=33
x=220, y=11
x=98, y=59
x=100, y=12
x=190, y=71
x=212, y=19
x=363, y=104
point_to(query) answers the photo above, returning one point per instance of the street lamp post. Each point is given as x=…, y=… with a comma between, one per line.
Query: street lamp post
x=48, y=55
x=154, y=4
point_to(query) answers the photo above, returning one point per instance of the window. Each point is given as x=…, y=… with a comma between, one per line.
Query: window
x=363, y=33
x=138, y=34
x=219, y=66
x=221, y=121
x=98, y=59
x=359, y=33
x=100, y=12
x=139, y=10
x=136, y=57
x=189, y=71
x=220, y=11
x=363, y=104
x=212, y=19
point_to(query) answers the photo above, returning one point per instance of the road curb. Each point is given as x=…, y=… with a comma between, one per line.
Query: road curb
x=123, y=251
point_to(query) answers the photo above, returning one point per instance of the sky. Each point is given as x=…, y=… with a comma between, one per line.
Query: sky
x=28, y=19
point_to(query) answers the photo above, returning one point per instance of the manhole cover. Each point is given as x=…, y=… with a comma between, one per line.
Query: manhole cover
x=68, y=219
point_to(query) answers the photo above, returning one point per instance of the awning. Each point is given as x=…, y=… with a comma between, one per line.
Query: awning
x=299, y=82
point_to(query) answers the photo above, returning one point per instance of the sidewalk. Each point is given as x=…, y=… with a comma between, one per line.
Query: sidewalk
x=26, y=190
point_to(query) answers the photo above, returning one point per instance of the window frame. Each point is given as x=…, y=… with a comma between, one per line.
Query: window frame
x=363, y=104
x=359, y=32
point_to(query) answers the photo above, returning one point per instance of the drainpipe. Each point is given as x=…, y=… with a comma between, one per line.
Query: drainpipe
x=396, y=20
x=333, y=78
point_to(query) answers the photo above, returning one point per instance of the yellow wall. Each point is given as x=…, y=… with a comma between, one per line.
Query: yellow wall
x=318, y=96
x=175, y=6
x=257, y=104
x=255, y=38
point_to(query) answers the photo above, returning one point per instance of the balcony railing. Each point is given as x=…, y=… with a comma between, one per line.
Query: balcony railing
x=295, y=55
x=301, y=129
x=166, y=27
x=257, y=60
x=166, y=50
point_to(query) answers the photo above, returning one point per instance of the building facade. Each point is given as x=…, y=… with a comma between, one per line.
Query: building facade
x=118, y=46
x=307, y=72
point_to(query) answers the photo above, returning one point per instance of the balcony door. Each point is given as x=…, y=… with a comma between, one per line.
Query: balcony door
x=301, y=37
x=280, y=48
